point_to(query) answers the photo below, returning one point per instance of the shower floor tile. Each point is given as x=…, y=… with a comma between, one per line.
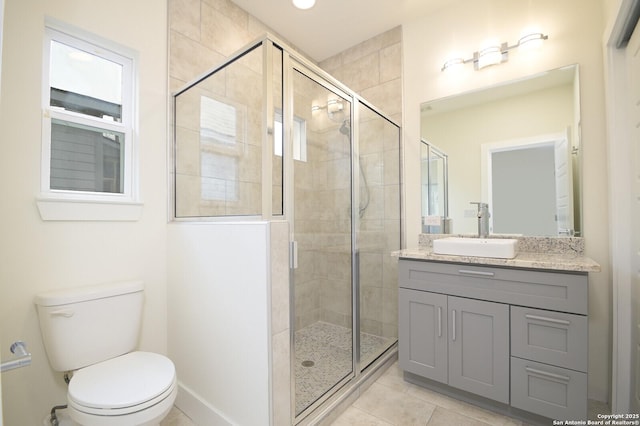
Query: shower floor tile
x=323, y=358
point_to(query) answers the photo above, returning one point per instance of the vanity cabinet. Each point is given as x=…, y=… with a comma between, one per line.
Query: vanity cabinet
x=516, y=336
x=458, y=341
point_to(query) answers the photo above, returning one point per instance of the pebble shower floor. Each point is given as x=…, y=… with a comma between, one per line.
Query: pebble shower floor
x=323, y=358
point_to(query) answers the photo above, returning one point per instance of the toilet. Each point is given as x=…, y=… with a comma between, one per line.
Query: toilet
x=92, y=331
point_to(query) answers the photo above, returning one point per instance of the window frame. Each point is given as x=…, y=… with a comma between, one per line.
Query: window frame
x=124, y=57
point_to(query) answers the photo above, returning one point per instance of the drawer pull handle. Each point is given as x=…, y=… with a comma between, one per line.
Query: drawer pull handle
x=439, y=321
x=453, y=321
x=476, y=273
x=547, y=374
x=553, y=320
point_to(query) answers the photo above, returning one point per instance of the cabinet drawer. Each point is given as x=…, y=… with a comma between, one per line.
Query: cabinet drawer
x=562, y=291
x=553, y=392
x=551, y=337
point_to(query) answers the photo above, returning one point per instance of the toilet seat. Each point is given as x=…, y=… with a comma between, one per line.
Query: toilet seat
x=123, y=385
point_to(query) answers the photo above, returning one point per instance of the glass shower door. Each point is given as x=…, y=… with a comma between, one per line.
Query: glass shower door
x=378, y=232
x=322, y=229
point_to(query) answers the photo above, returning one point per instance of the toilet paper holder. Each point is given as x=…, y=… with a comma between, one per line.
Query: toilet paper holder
x=18, y=348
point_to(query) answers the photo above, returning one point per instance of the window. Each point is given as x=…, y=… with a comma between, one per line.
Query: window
x=299, y=137
x=88, y=110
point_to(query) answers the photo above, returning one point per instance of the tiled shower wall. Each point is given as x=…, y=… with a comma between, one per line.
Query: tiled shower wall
x=219, y=173
x=379, y=225
x=373, y=69
x=322, y=214
x=203, y=33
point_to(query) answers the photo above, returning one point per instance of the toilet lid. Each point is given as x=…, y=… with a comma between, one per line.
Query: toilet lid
x=128, y=380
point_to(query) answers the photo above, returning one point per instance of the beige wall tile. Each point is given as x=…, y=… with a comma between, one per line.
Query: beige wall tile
x=362, y=73
x=224, y=32
x=229, y=9
x=189, y=59
x=184, y=16
x=391, y=63
x=386, y=96
x=281, y=388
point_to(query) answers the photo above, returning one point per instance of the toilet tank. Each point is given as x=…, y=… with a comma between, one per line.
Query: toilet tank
x=84, y=325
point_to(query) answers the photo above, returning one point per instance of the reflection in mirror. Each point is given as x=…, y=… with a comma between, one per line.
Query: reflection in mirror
x=515, y=146
x=433, y=164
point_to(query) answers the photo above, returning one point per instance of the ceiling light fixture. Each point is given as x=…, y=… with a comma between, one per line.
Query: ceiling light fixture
x=495, y=54
x=304, y=4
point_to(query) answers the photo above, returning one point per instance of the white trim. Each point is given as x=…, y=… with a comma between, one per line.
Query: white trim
x=88, y=210
x=619, y=208
x=51, y=203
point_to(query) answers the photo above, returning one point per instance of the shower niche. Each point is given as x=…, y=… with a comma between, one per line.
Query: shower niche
x=269, y=139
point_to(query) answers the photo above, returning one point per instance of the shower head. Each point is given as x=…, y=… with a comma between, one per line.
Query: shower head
x=345, y=129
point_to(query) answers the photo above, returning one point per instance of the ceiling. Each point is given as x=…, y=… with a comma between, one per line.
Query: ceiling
x=332, y=26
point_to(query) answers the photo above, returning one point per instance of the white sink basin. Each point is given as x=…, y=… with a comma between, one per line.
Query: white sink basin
x=503, y=248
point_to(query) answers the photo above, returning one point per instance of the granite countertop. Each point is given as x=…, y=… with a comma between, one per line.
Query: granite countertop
x=557, y=254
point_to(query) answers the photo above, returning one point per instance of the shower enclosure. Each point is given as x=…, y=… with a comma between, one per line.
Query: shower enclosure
x=268, y=136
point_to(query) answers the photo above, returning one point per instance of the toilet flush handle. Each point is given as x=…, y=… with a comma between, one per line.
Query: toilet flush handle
x=67, y=313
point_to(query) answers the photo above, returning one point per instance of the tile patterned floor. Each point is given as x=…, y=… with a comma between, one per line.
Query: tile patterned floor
x=390, y=401
x=323, y=358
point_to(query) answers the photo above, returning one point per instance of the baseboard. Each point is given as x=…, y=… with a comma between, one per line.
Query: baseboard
x=197, y=409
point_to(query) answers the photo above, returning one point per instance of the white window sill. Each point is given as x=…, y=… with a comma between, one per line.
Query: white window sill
x=88, y=210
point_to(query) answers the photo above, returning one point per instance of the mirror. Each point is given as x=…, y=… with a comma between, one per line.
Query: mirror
x=515, y=146
x=435, y=206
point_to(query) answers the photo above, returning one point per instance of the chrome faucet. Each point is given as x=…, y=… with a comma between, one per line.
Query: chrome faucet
x=483, y=219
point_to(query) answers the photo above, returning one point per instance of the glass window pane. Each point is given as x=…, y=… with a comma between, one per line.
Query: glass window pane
x=85, y=83
x=85, y=158
x=219, y=136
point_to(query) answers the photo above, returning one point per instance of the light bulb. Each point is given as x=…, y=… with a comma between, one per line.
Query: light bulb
x=304, y=4
x=489, y=56
x=531, y=41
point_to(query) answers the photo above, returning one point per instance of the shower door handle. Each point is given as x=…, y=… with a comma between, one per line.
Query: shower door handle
x=293, y=255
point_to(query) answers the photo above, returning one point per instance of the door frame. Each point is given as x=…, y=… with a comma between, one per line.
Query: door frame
x=620, y=208
x=486, y=160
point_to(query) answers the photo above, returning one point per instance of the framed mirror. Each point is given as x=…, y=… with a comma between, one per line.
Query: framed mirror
x=515, y=146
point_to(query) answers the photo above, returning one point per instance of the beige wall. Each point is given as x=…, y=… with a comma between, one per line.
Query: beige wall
x=575, y=29
x=36, y=255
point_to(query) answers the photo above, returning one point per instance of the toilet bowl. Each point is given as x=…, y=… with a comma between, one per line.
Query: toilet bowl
x=92, y=331
x=138, y=388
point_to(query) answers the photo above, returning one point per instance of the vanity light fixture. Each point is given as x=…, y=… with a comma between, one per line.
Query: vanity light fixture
x=494, y=55
x=491, y=55
x=304, y=4
x=531, y=41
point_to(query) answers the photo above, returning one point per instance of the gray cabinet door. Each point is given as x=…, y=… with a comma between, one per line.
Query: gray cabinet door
x=479, y=347
x=422, y=335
